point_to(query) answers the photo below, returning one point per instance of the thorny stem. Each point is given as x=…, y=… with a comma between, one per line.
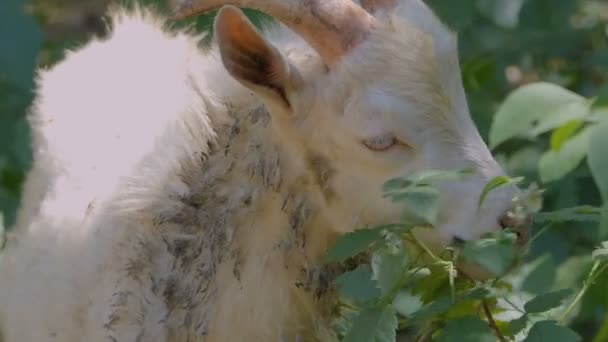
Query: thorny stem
x=492, y=322
x=596, y=270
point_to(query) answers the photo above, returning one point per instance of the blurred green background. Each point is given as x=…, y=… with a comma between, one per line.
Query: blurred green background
x=504, y=44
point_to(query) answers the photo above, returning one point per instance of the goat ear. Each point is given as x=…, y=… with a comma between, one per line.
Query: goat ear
x=251, y=59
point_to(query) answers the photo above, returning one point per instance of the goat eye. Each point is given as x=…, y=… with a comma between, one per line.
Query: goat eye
x=380, y=143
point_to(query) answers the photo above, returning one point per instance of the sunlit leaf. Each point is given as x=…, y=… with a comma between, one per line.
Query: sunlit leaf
x=565, y=132
x=494, y=184
x=528, y=106
x=554, y=165
x=561, y=116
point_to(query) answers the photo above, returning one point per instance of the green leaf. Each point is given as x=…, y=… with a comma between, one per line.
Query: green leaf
x=600, y=254
x=467, y=329
x=358, y=285
x=494, y=184
x=547, y=301
x=529, y=105
x=598, y=158
x=563, y=133
x=389, y=265
x=421, y=203
x=563, y=115
x=541, y=276
x=496, y=255
x=517, y=325
x=549, y=331
x=585, y=213
x=351, y=244
x=426, y=177
x=418, y=193
x=554, y=165
x=373, y=325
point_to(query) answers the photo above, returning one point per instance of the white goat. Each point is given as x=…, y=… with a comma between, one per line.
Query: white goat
x=187, y=195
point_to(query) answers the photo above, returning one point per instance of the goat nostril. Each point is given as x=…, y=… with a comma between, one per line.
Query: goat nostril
x=506, y=221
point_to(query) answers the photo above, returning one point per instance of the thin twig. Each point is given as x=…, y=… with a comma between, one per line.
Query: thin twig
x=492, y=322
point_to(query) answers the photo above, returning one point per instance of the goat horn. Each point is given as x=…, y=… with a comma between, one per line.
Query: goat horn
x=331, y=27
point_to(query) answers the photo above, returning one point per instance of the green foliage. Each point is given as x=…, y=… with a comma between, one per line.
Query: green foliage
x=546, y=301
x=353, y=243
x=396, y=288
x=358, y=285
x=495, y=254
x=555, y=164
x=534, y=109
x=373, y=325
x=467, y=329
x=549, y=331
x=494, y=184
x=417, y=193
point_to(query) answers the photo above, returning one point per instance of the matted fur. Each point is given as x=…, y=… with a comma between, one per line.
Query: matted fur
x=167, y=204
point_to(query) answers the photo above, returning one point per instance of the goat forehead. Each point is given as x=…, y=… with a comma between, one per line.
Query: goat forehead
x=397, y=63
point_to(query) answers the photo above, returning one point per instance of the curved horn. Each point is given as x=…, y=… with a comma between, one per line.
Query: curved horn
x=331, y=27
